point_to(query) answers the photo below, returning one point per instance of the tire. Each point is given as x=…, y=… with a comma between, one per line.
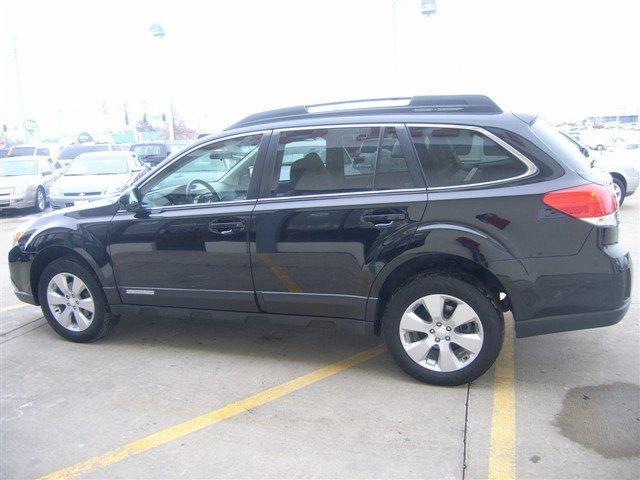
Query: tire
x=621, y=191
x=100, y=320
x=599, y=147
x=40, y=202
x=456, y=293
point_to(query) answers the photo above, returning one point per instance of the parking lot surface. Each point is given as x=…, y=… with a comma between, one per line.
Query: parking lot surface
x=163, y=398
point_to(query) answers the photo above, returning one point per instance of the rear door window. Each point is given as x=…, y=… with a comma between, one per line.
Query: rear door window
x=325, y=160
x=460, y=156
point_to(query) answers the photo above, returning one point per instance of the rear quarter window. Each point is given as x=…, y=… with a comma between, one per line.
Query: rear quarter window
x=459, y=156
x=564, y=150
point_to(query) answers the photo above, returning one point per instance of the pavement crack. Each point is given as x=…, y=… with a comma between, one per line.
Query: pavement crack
x=21, y=326
x=464, y=437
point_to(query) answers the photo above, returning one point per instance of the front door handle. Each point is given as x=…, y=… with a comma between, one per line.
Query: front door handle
x=226, y=226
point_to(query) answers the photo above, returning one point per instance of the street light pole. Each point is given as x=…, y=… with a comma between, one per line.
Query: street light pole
x=23, y=119
x=158, y=32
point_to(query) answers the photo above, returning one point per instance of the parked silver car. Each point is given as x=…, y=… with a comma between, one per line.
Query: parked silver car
x=25, y=181
x=624, y=171
x=94, y=176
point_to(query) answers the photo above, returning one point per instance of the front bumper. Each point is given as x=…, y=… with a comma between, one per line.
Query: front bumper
x=26, y=200
x=63, y=201
x=20, y=273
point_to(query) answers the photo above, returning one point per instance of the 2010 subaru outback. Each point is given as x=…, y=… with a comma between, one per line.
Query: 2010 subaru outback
x=421, y=220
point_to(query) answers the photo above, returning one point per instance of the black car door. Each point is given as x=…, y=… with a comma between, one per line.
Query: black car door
x=187, y=244
x=334, y=203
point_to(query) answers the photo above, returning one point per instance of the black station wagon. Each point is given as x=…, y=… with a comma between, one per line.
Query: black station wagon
x=421, y=220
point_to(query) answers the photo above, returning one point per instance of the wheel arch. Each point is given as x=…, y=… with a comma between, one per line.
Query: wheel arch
x=49, y=254
x=449, y=264
x=620, y=177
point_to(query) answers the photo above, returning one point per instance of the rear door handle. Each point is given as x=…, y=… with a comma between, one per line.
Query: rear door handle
x=383, y=219
x=226, y=227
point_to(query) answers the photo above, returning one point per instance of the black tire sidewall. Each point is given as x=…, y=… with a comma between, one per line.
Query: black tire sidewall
x=98, y=324
x=491, y=319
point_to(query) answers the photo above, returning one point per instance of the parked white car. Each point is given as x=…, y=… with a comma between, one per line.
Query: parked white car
x=624, y=169
x=25, y=181
x=94, y=176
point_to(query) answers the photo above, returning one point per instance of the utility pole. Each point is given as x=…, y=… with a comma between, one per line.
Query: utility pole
x=19, y=85
x=158, y=31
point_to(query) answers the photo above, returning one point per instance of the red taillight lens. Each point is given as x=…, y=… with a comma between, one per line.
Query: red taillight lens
x=589, y=202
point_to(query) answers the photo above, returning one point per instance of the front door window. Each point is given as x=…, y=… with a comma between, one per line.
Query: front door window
x=216, y=172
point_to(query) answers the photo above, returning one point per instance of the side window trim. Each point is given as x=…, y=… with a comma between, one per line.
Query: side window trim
x=269, y=165
x=410, y=155
x=532, y=169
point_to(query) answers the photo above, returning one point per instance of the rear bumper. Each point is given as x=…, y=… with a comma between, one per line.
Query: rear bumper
x=575, y=321
x=556, y=294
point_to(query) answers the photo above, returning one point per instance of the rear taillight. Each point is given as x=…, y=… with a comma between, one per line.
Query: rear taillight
x=592, y=203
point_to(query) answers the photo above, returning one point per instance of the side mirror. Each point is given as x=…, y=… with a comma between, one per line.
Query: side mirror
x=585, y=151
x=132, y=200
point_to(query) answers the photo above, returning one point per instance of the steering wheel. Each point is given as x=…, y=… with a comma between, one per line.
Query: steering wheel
x=194, y=198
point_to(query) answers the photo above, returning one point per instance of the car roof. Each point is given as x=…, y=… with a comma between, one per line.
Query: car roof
x=469, y=110
x=433, y=104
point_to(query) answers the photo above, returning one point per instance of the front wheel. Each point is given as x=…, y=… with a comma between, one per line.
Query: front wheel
x=442, y=330
x=40, y=202
x=73, y=302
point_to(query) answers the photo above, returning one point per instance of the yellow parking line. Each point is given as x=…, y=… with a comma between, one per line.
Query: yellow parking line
x=280, y=274
x=177, y=431
x=502, y=454
x=14, y=307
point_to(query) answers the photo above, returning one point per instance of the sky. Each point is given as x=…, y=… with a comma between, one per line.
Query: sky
x=80, y=62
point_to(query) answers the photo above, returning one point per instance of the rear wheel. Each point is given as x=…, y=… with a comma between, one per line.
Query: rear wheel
x=73, y=302
x=443, y=330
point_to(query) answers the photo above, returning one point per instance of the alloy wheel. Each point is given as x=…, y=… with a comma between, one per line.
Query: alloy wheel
x=441, y=333
x=70, y=302
x=40, y=200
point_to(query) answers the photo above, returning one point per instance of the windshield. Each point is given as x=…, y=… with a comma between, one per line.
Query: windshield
x=98, y=166
x=147, y=149
x=72, y=151
x=241, y=166
x=568, y=150
x=22, y=151
x=18, y=168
